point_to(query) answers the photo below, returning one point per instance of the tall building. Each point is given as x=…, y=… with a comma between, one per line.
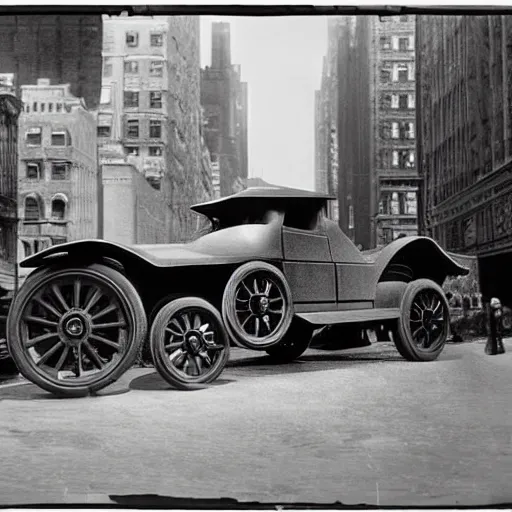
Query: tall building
x=326, y=124
x=464, y=140
x=58, y=172
x=371, y=119
x=225, y=101
x=150, y=106
x=10, y=108
x=64, y=49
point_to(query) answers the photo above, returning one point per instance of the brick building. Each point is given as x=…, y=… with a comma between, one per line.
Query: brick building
x=368, y=129
x=58, y=173
x=64, y=49
x=150, y=106
x=225, y=101
x=464, y=84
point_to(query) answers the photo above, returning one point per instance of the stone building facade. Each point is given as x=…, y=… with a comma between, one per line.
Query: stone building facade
x=151, y=107
x=368, y=127
x=464, y=140
x=225, y=101
x=58, y=172
x=141, y=216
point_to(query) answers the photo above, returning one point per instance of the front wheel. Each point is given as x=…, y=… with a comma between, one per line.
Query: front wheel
x=74, y=331
x=424, y=323
x=188, y=342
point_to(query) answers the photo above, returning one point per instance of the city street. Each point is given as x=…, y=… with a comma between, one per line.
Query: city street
x=359, y=427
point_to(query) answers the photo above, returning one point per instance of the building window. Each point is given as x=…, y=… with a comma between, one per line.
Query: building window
x=155, y=99
x=385, y=43
x=42, y=107
x=132, y=39
x=155, y=129
x=105, y=97
x=155, y=151
x=34, y=137
x=104, y=131
x=34, y=106
x=131, y=67
x=403, y=44
x=409, y=127
x=132, y=129
x=33, y=171
x=32, y=209
x=60, y=171
x=156, y=68
x=400, y=73
x=58, y=138
x=50, y=107
x=107, y=67
x=403, y=101
x=58, y=208
x=156, y=39
x=132, y=150
x=395, y=159
x=395, y=130
x=131, y=99
x=411, y=103
x=59, y=107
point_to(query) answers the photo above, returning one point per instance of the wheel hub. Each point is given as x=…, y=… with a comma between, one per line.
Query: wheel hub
x=427, y=318
x=259, y=304
x=194, y=342
x=74, y=327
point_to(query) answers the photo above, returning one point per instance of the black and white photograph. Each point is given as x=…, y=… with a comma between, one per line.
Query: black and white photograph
x=255, y=256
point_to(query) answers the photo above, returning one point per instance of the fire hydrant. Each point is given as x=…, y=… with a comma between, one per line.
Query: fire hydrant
x=494, y=343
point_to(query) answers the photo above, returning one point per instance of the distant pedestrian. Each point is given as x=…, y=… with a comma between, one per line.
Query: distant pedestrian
x=456, y=337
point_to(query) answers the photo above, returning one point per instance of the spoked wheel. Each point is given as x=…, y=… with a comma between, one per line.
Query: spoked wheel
x=74, y=331
x=294, y=343
x=188, y=343
x=257, y=305
x=424, y=323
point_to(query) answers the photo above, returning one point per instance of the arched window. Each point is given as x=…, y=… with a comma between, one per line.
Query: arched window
x=32, y=208
x=59, y=203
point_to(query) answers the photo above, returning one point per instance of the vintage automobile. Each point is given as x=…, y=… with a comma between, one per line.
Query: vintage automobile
x=271, y=270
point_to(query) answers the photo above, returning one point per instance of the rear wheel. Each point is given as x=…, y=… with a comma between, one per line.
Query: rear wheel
x=424, y=323
x=188, y=342
x=74, y=331
x=257, y=305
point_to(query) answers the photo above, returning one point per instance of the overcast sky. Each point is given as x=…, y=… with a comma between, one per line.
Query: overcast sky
x=281, y=60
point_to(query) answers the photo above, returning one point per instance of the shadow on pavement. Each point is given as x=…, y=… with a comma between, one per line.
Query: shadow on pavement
x=154, y=382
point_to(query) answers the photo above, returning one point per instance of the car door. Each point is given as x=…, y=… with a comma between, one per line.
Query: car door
x=308, y=265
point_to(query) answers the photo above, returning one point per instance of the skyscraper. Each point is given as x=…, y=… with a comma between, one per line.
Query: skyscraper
x=225, y=101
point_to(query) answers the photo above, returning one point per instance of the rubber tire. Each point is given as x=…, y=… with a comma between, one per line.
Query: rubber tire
x=230, y=321
x=135, y=311
x=158, y=327
x=294, y=343
x=402, y=336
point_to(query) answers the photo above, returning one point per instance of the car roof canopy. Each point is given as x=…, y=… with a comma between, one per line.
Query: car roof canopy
x=269, y=197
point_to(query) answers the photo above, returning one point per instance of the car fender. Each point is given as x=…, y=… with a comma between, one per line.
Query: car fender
x=415, y=257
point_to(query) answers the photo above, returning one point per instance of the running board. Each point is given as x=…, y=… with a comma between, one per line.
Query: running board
x=350, y=317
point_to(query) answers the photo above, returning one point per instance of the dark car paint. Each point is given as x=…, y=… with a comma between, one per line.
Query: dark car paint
x=324, y=269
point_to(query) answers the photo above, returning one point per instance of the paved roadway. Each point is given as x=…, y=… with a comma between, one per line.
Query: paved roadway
x=360, y=426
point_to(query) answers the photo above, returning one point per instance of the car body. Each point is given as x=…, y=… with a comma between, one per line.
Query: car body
x=268, y=245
